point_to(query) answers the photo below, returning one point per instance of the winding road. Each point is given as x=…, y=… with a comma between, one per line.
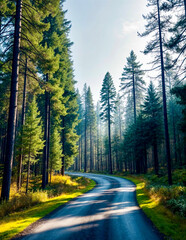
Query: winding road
x=108, y=212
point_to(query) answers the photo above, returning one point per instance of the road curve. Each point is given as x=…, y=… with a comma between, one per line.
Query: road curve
x=108, y=212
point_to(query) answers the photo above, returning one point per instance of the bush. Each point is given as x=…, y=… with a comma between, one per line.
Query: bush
x=59, y=185
x=178, y=206
x=165, y=193
x=22, y=201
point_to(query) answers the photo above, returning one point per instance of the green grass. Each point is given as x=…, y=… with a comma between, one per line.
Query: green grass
x=16, y=222
x=171, y=225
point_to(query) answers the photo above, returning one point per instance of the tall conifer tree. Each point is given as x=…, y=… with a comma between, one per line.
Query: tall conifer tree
x=108, y=95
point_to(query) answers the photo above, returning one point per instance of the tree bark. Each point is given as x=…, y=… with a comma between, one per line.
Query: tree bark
x=48, y=140
x=45, y=149
x=63, y=147
x=134, y=96
x=155, y=153
x=28, y=174
x=167, y=141
x=91, y=160
x=109, y=135
x=85, y=153
x=22, y=123
x=13, y=106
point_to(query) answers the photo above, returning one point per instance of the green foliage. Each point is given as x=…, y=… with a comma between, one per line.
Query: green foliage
x=55, y=150
x=58, y=186
x=178, y=206
x=91, y=116
x=166, y=193
x=180, y=94
x=22, y=201
x=108, y=95
x=30, y=139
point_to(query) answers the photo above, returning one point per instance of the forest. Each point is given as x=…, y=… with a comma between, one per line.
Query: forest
x=141, y=127
x=48, y=126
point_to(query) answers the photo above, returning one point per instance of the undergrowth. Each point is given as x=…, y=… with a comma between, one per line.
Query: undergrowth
x=40, y=203
x=58, y=186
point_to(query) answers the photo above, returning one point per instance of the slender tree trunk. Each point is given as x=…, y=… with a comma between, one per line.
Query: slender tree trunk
x=13, y=106
x=167, y=141
x=28, y=173
x=155, y=153
x=179, y=150
x=109, y=135
x=145, y=159
x=63, y=147
x=79, y=162
x=45, y=149
x=3, y=146
x=91, y=160
x=51, y=174
x=85, y=153
x=22, y=123
x=134, y=96
x=98, y=150
x=81, y=153
x=48, y=140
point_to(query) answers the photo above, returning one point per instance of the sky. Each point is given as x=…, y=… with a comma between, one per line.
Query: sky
x=104, y=32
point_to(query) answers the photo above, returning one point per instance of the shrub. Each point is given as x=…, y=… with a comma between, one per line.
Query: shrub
x=166, y=192
x=178, y=206
x=22, y=201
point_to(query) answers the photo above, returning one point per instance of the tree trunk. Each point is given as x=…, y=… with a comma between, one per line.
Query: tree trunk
x=109, y=135
x=85, y=153
x=22, y=123
x=63, y=147
x=48, y=140
x=81, y=153
x=155, y=153
x=45, y=149
x=79, y=164
x=134, y=96
x=167, y=141
x=13, y=106
x=28, y=174
x=91, y=160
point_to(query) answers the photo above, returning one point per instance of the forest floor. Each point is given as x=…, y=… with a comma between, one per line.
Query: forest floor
x=164, y=205
x=23, y=210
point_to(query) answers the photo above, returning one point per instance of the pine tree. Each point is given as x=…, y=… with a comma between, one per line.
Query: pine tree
x=80, y=130
x=152, y=110
x=108, y=95
x=91, y=117
x=31, y=141
x=131, y=80
x=176, y=42
x=55, y=151
x=155, y=25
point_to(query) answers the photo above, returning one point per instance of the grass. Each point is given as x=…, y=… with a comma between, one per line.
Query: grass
x=171, y=225
x=16, y=222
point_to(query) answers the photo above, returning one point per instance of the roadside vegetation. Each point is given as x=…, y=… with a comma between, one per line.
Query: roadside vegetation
x=165, y=205
x=24, y=209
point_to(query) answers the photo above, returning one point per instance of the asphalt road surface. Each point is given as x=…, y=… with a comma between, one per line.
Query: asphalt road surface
x=108, y=212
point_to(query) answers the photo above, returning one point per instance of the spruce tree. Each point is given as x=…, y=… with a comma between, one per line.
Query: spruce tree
x=108, y=95
x=131, y=80
x=55, y=151
x=152, y=110
x=154, y=27
x=31, y=141
x=91, y=117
